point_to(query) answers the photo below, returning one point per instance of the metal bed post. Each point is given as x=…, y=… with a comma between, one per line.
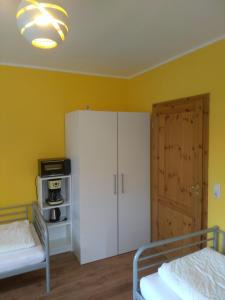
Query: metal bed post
x=47, y=271
x=42, y=230
x=223, y=240
x=223, y=243
x=216, y=238
x=136, y=294
x=135, y=275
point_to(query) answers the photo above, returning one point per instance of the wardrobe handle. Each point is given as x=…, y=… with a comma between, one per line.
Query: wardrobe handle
x=115, y=184
x=122, y=183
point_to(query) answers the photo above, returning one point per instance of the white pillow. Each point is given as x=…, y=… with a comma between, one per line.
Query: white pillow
x=15, y=236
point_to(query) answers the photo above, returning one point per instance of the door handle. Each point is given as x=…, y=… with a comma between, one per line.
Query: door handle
x=115, y=184
x=122, y=183
x=195, y=187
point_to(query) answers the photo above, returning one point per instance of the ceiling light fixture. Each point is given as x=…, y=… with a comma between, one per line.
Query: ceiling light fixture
x=43, y=24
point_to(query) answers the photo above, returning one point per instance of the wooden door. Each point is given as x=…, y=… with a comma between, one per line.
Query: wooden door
x=133, y=180
x=179, y=166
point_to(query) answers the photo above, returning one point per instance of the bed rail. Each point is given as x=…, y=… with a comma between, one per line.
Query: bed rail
x=14, y=213
x=141, y=258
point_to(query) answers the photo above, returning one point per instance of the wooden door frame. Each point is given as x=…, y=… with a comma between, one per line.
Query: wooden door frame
x=205, y=151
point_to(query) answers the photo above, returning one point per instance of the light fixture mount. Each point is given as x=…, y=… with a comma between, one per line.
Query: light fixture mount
x=42, y=23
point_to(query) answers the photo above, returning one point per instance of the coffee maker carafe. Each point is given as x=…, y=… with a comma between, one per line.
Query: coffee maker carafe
x=54, y=192
x=54, y=215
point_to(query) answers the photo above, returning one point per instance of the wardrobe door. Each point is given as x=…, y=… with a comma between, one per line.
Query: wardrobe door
x=134, y=180
x=98, y=184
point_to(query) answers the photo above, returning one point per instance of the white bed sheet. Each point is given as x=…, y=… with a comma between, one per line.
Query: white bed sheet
x=154, y=288
x=24, y=257
x=197, y=276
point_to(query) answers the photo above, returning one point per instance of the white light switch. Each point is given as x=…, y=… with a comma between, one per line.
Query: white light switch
x=216, y=190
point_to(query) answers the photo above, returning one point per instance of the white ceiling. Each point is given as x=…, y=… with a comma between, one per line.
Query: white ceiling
x=117, y=37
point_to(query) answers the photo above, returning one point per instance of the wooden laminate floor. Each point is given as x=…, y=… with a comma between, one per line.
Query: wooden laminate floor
x=106, y=279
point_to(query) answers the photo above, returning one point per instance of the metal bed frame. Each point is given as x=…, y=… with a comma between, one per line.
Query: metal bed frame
x=22, y=212
x=140, y=258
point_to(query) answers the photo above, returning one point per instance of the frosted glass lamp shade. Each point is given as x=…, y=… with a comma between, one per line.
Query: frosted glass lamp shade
x=43, y=24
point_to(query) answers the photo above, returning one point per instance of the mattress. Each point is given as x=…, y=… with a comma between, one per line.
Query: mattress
x=197, y=276
x=154, y=288
x=24, y=257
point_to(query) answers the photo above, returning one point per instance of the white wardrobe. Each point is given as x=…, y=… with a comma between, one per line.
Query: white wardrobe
x=110, y=155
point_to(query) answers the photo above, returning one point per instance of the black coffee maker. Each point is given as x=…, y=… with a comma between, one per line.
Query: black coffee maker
x=54, y=192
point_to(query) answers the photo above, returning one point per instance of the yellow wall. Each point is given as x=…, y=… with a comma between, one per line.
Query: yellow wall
x=32, y=108
x=200, y=72
x=33, y=104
